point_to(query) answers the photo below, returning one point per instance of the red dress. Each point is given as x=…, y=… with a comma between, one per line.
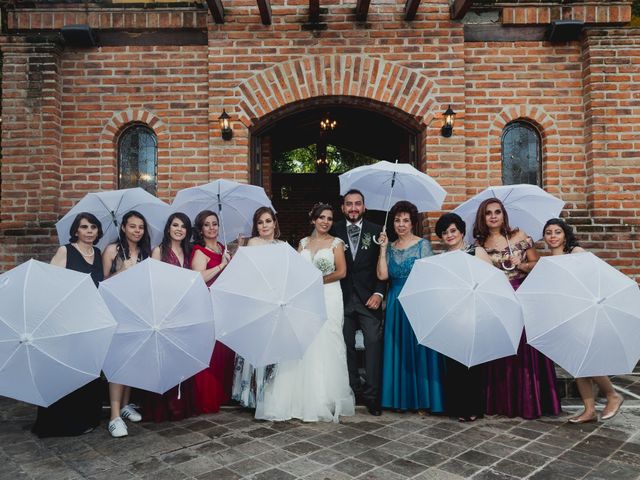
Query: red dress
x=213, y=384
x=161, y=408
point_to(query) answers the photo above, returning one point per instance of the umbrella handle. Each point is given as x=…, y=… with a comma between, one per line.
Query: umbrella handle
x=386, y=217
x=221, y=219
x=512, y=266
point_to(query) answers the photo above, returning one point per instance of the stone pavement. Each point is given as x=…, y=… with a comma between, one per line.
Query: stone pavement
x=231, y=445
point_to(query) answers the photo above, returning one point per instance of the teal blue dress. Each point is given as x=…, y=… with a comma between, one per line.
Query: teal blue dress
x=412, y=374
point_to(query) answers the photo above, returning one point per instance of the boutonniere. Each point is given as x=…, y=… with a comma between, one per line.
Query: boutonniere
x=366, y=241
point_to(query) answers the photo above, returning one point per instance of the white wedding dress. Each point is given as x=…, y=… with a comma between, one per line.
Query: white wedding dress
x=315, y=388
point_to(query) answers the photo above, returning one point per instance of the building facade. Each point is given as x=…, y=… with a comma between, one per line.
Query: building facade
x=544, y=92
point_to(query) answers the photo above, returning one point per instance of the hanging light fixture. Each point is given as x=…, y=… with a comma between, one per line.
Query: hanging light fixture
x=327, y=124
x=449, y=118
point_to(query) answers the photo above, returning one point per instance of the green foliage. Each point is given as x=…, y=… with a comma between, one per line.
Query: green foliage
x=303, y=160
x=635, y=8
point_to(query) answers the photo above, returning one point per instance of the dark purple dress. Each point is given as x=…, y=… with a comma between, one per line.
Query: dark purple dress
x=522, y=385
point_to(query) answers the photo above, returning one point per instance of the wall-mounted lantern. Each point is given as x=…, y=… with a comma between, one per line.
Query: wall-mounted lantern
x=449, y=117
x=225, y=125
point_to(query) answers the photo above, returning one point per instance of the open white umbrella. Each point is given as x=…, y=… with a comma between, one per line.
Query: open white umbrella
x=269, y=304
x=463, y=308
x=235, y=204
x=385, y=183
x=54, y=332
x=583, y=314
x=110, y=206
x=165, y=325
x=528, y=206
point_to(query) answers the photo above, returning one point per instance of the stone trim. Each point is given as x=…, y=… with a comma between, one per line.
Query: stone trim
x=614, y=13
x=52, y=17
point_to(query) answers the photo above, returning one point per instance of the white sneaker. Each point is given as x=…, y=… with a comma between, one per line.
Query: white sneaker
x=129, y=413
x=117, y=428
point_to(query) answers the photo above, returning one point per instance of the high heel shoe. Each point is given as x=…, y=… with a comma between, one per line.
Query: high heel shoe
x=610, y=415
x=577, y=420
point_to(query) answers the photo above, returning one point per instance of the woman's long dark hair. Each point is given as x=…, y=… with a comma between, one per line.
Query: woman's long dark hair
x=198, y=223
x=144, y=245
x=480, y=228
x=185, y=244
x=570, y=241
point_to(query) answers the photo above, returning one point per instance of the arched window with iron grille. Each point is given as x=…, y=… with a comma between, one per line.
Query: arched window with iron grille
x=138, y=158
x=521, y=154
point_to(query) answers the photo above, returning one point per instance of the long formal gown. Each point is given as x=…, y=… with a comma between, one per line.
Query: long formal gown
x=212, y=386
x=522, y=385
x=315, y=388
x=177, y=403
x=464, y=386
x=412, y=374
x=80, y=410
x=249, y=382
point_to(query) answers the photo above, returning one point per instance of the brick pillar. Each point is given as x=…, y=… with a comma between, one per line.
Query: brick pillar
x=31, y=141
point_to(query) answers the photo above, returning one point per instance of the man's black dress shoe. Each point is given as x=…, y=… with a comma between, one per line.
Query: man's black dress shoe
x=374, y=409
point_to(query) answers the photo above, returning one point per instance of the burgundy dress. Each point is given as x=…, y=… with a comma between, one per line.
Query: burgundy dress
x=522, y=385
x=161, y=408
x=213, y=384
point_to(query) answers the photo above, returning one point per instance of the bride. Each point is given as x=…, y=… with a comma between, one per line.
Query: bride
x=317, y=386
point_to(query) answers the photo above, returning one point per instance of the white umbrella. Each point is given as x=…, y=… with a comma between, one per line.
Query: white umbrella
x=583, y=314
x=384, y=183
x=269, y=304
x=165, y=325
x=110, y=206
x=54, y=332
x=528, y=206
x=463, y=308
x=235, y=204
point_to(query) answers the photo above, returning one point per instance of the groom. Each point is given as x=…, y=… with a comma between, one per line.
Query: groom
x=362, y=294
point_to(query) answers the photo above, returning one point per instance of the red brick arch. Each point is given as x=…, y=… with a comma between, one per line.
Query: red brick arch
x=120, y=120
x=335, y=75
x=545, y=125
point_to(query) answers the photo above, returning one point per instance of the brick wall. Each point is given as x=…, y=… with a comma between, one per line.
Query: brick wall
x=611, y=82
x=59, y=143
x=109, y=88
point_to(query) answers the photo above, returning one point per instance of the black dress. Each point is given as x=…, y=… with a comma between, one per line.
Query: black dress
x=79, y=411
x=463, y=385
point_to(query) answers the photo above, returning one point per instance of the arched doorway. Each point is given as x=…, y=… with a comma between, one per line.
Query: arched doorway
x=298, y=162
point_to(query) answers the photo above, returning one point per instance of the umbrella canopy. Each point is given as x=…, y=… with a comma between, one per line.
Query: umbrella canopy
x=529, y=207
x=54, y=332
x=109, y=207
x=235, y=204
x=583, y=314
x=384, y=183
x=269, y=304
x=463, y=308
x=165, y=325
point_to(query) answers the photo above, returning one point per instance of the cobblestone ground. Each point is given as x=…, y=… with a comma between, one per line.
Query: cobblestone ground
x=231, y=445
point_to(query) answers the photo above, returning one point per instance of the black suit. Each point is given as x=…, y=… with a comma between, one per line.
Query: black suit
x=360, y=283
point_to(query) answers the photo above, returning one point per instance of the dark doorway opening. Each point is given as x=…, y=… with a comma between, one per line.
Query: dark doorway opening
x=298, y=161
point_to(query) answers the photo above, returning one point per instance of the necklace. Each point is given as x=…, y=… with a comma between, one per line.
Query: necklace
x=214, y=249
x=86, y=255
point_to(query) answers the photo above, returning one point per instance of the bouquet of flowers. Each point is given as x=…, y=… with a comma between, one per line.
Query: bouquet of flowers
x=324, y=265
